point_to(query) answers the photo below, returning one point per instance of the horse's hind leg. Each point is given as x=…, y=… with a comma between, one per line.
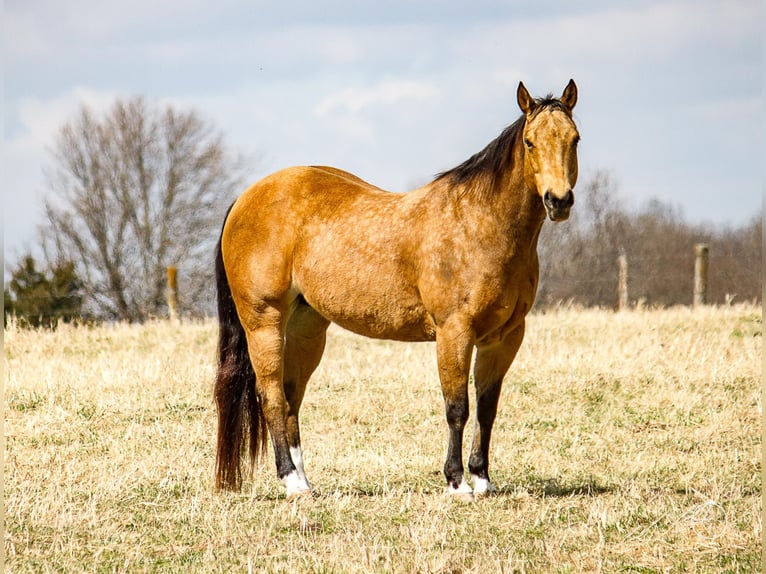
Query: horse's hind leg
x=305, y=342
x=264, y=329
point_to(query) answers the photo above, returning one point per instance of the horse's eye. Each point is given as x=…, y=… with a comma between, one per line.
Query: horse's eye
x=528, y=143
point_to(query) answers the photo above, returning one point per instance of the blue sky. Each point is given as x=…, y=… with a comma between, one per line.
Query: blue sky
x=670, y=91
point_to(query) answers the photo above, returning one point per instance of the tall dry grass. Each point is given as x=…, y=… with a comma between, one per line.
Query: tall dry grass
x=625, y=443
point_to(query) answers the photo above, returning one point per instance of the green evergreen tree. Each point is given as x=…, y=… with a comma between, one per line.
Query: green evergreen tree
x=42, y=298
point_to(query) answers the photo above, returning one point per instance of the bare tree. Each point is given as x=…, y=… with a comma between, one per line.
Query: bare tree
x=133, y=192
x=578, y=258
x=736, y=261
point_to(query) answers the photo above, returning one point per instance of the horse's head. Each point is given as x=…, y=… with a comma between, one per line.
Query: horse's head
x=550, y=138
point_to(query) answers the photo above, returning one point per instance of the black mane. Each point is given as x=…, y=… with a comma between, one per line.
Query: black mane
x=489, y=162
x=481, y=172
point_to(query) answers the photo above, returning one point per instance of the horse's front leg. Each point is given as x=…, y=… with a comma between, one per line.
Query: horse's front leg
x=454, y=344
x=492, y=363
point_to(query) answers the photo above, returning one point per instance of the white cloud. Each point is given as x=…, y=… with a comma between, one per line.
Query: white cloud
x=638, y=32
x=388, y=92
x=22, y=35
x=42, y=28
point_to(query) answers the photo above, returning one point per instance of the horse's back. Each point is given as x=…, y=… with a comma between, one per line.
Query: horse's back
x=310, y=185
x=318, y=170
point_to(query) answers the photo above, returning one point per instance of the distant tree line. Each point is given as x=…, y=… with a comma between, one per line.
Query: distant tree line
x=578, y=258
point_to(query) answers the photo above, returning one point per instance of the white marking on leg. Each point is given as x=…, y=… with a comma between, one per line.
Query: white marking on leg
x=296, y=485
x=463, y=491
x=482, y=486
x=297, y=455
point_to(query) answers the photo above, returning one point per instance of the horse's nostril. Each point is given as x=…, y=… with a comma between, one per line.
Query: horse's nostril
x=562, y=202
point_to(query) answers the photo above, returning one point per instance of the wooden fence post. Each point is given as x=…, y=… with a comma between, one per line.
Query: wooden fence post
x=701, y=251
x=171, y=293
x=622, y=285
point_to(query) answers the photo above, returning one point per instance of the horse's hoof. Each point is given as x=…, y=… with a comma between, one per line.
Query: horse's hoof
x=300, y=495
x=296, y=486
x=462, y=496
x=485, y=493
x=463, y=493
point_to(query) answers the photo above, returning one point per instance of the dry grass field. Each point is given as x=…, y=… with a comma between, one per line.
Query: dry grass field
x=625, y=442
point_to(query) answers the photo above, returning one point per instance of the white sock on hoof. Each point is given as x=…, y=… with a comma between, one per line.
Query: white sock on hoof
x=297, y=455
x=295, y=485
x=482, y=486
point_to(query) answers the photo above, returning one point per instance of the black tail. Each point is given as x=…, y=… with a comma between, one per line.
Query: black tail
x=241, y=425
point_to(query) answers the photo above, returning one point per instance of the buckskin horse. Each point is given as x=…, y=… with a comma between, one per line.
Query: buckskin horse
x=454, y=261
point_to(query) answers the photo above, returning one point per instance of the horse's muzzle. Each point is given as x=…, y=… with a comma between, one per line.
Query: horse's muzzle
x=558, y=207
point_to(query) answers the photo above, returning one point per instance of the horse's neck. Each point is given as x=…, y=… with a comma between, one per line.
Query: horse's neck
x=509, y=217
x=519, y=213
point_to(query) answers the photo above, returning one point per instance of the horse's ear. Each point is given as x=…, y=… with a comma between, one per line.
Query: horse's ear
x=569, y=97
x=526, y=102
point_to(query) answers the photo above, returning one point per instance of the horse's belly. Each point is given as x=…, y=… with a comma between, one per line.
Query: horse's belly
x=363, y=281
x=386, y=330
x=382, y=315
